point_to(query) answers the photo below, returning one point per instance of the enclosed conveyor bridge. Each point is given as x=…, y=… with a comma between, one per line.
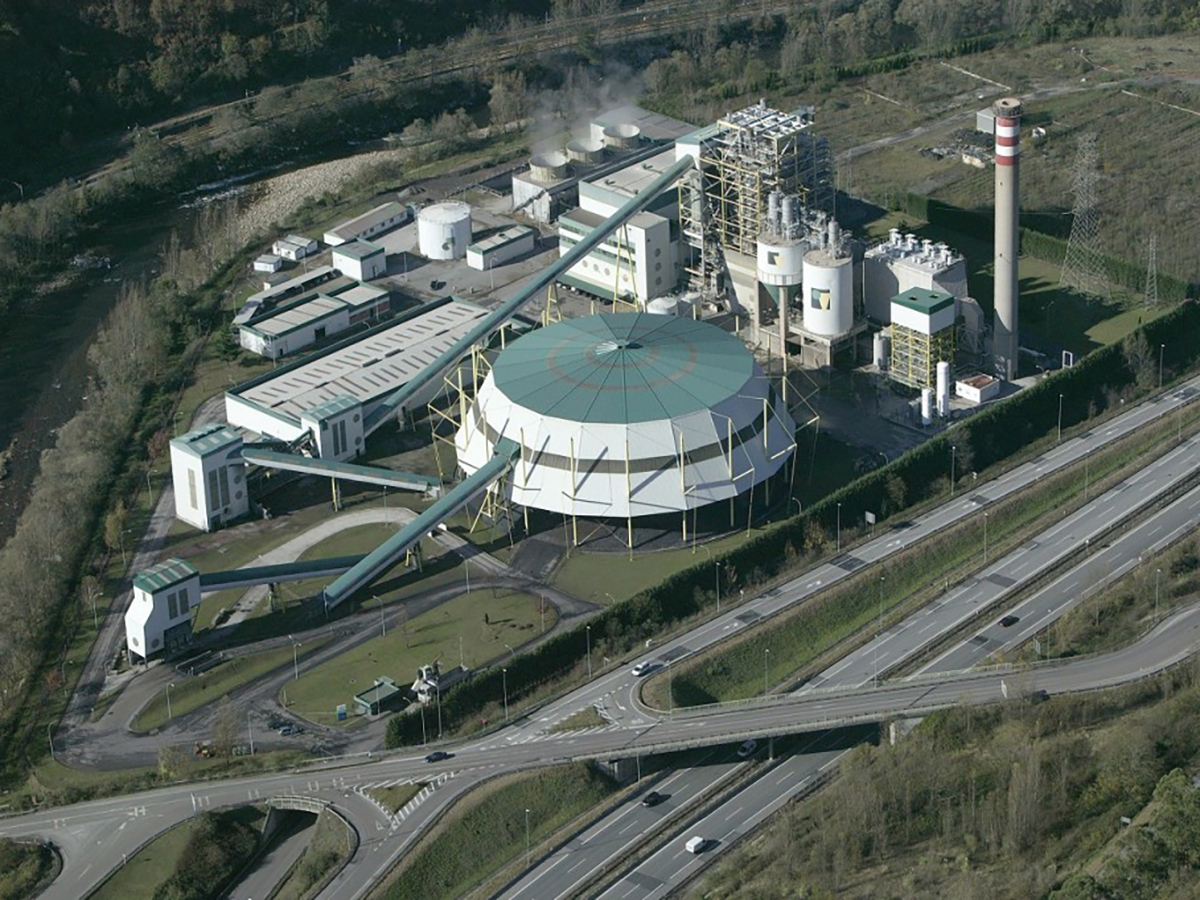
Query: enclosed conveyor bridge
x=396, y=404
x=308, y=465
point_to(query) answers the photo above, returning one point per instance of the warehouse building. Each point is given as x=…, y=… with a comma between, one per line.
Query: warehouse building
x=312, y=318
x=268, y=263
x=209, y=477
x=497, y=249
x=366, y=367
x=291, y=288
x=295, y=247
x=360, y=260
x=382, y=218
x=159, y=618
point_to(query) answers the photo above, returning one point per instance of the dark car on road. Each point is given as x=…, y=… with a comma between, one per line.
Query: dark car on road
x=653, y=799
x=1009, y=621
x=438, y=756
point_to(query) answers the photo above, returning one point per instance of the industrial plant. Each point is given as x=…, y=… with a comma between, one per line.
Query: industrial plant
x=717, y=285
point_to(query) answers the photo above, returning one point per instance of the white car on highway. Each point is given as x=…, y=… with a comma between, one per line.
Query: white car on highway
x=642, y=668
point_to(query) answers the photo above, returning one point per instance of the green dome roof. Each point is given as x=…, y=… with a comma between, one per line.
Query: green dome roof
x=623, y=368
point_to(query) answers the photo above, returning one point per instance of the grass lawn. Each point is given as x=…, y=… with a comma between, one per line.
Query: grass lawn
x=395, y=797
x=139, y=878
x=192, y=693
x=512, y=619
x=491, y=822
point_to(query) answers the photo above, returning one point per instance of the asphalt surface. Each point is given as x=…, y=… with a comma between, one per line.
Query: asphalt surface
x=659, y=873
x=275, y=863
x=93, y=835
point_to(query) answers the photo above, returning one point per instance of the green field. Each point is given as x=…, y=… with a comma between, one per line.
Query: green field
x=491, y=822
x=192, y=693
x=512, y=619
x=23, y=867
x=395, y=797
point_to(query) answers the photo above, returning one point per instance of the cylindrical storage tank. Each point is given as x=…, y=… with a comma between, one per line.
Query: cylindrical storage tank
x=773, y=211
x=585, y=150
x=943, y=389
x=625, y=136
x=788, y=215
x=879, y=355
x=444, y=230
x=549, y=166
x=781, y=271
x=828, y=293
x=926, y=406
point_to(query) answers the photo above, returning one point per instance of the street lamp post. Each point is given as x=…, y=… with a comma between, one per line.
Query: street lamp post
x=839, y=528
x=717, y=575
x=250, y=731
x=1060, y=402
x=492, y=273
x=169, y=714
x=296, y=660
x=985, y=518
x=50, y=737
x=527, y=838
x=1161, y=348
x=766, y=654
x=382, y=623
x=953, y=454
x=504, y=678
x=1157, y=578
x=588, y=632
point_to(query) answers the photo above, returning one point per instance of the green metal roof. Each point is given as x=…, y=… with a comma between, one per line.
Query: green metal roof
x=207, y=439
x=924, y=301
x=359, y=249
x=624, y=367
x=331, y=408
x=163, y=575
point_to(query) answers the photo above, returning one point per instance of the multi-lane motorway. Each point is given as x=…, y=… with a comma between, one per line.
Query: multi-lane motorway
x=94, y=836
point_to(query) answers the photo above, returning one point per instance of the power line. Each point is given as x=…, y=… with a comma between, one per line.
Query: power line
x=1083, y=266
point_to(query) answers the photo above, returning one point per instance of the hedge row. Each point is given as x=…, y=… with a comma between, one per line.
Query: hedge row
x=1100, y=380
x=1039, y=244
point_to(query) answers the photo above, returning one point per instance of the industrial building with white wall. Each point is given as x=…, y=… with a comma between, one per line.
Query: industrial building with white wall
x=382, y=218
x=502, y=247
x=360, y=260
x=307, y=320
x=159, y=618
x=209, y=477
x=627, y=415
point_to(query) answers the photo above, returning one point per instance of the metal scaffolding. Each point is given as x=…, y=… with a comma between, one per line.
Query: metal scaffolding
x=915, y=355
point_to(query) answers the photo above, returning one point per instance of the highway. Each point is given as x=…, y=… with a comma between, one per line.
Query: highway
x=93, y=836
x=667, y=868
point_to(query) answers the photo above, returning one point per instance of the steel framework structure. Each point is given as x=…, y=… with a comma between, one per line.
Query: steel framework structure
x=915, y=355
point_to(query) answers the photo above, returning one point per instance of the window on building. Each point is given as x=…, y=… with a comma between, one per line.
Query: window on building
x=183, y=602
x=341, y=430
x=211, y=499
x=192, y=488
x=772, y=258
x=658, y=251
x=318, y=333
x=172, y=606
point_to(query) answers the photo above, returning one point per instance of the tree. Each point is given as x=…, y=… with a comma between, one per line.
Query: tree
x=114, y=526
x=895, y=493
x=1139, y=357
x=170, y=761
x=508, y=102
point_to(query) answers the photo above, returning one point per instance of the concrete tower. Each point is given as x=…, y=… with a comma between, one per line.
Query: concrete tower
x=1008, y=155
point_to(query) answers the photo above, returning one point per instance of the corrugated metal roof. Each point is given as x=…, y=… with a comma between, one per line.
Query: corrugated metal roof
x=501, y=239
x=629, y=367
x=924, y=301
x=163, y=575
x=358, y=250
x=207, y=439
x=332, y=407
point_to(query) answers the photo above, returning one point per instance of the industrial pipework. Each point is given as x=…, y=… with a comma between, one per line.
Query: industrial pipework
x=394, y=404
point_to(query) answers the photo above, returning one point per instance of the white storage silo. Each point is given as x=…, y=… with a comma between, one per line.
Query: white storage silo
x=943, y=389
x=548, y=167
x=926, y=406
x=444, y=230
x=828, y=293
x=882, y=350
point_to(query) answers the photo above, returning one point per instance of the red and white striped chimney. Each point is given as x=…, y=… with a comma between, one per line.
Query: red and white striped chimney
x=1008, y=155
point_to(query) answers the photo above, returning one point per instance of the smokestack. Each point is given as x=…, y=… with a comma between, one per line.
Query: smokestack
x=1008, y=155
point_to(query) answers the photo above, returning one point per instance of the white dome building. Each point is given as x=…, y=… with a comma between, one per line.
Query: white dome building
x=625, y=415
